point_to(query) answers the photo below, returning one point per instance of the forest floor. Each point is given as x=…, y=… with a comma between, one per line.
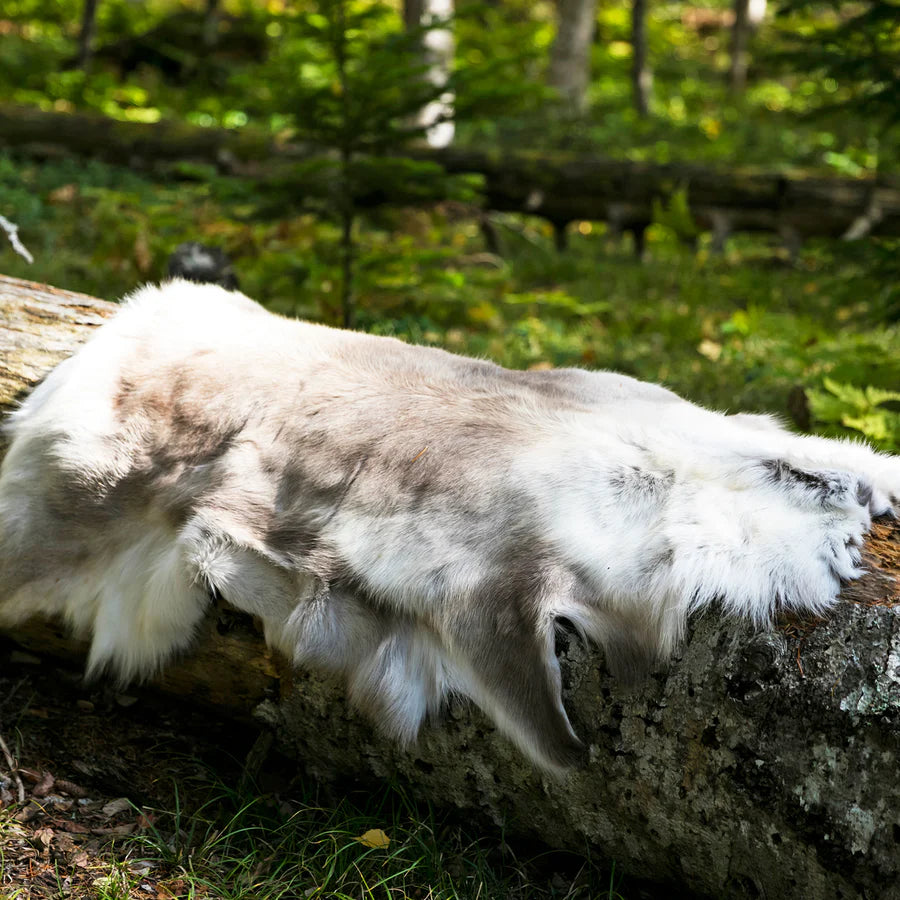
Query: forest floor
x=94, y=765
x=120, y=795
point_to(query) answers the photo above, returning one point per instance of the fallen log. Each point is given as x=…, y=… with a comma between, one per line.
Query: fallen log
x=756, y=765
x=558, y=187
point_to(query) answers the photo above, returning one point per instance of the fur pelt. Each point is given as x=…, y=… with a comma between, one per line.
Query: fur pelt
x=416, y=521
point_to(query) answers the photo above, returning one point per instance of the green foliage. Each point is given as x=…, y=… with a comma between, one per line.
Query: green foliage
x=327, y=65
x=675, y=214
x=839, y=51
x=853, y=48
x=870, y=412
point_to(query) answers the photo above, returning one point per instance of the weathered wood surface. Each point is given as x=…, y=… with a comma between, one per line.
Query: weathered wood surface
x=558, y=187
x=757, y=765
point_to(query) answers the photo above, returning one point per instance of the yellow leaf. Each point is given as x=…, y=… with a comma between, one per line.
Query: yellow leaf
x=483, y=312
x=710, y=349
x=374, y=837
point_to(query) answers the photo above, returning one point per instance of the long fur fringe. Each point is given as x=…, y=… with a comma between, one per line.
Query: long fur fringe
x=414, y=520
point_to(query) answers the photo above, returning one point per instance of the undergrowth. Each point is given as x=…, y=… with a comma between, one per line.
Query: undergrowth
x=747, y=329
x=231, y=845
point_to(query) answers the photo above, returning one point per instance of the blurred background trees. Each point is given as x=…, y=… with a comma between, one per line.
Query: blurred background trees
x=727, y=306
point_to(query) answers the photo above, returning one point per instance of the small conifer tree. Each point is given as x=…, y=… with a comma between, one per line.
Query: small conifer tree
x=359, y=84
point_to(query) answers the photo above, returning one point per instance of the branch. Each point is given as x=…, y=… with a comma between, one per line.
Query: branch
x=12, y=232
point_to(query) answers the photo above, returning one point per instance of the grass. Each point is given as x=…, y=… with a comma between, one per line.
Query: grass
x=320, y=852
x=235, y=847
x=199, y=826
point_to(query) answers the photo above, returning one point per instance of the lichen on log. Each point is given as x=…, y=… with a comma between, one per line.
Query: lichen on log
x=755, y=765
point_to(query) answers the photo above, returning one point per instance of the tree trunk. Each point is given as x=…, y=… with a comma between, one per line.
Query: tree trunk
x=435, y=117
x=86, y=35
x=211, y=16
x=758, y=765
x=570, y=57
x=641, y=75
x=740, y=37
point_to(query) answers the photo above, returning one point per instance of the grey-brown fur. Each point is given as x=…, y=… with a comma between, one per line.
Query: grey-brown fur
x=412, y=519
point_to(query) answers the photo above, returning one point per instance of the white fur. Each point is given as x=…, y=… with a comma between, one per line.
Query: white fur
x=373, y=503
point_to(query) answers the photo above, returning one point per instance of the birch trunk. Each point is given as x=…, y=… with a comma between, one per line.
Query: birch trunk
x=437, y=51
x=570, y=57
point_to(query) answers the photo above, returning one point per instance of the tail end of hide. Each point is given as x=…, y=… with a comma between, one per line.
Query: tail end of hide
x=122, y=583
x=137, y=606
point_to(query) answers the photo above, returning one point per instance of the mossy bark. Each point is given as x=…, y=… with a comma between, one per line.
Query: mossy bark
x=756, y=765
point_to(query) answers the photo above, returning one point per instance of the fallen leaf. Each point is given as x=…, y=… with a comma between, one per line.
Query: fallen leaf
x=45, y=835
x=127, y=828
x=65, y=194
x=114, y=807
x=710, y=349
x=44, y=786
x=374, y=837
x=27, y=813
x=171, y=891
x=63, y=843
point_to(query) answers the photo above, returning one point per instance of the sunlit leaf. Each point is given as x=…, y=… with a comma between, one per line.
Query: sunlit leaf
x=374, y=838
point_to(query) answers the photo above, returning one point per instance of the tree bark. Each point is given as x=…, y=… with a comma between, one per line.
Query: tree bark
x=86, y=35
x=641, y=74
x=559, y=187
x=740, y=37
x=757, y=765
x=435, y=117
x=211, y=17
x=570, y=56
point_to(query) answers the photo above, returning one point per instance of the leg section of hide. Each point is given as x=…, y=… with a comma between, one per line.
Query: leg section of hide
x=136, y=600
x=245, y=578
x=878, y=474
x=148, y=606
x=514, y=677
x=764, y=536
x=393, y=667
x=120, y=578
x=401, y=680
